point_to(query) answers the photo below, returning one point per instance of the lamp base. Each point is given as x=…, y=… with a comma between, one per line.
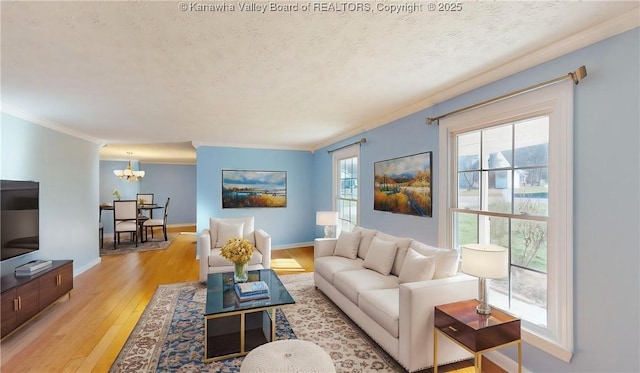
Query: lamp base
x=327, y=231
x=483, y=308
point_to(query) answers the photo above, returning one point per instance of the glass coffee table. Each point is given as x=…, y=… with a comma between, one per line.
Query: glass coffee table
x=233, y=328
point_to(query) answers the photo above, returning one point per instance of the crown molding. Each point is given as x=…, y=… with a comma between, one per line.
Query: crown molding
x=625, y=22
x=19, y=113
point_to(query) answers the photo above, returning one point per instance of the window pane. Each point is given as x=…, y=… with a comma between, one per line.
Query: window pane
x=498, y=231
x=347, y=200
x=499, y=191
x=347, y=213
x=532, y=142
x=466, y=228
x=496, y=147
x=469, y=190
x=529, y=244
x=528, y=295
x=469, y=151
x=532, y=194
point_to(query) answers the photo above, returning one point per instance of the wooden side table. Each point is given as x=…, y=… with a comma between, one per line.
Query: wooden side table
x=474, y=332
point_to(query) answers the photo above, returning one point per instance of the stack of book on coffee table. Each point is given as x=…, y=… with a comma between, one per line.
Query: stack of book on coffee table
x=248, y=291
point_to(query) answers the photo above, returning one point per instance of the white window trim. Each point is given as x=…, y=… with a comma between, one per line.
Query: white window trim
x=557, y=102
x=348, y=152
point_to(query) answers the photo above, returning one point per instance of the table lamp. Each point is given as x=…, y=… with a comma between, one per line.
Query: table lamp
x=484, y=261
x=327, y=219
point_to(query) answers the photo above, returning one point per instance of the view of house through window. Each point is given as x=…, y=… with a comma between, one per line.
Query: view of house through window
x=508, y=180
x=346, y=181
x=502, y=199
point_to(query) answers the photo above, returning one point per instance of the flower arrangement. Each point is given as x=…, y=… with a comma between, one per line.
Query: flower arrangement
x=116, y=193
x=237, y=250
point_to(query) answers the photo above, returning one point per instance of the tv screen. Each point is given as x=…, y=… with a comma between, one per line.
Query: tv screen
x=19, y=217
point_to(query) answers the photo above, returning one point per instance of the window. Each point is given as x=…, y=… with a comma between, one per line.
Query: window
x=346, y=186
x=508, y=181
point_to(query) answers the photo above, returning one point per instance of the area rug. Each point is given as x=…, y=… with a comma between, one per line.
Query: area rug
x=169, y=334
x=126, y=246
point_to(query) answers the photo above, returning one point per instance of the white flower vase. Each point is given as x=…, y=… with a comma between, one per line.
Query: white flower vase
x=240, y=273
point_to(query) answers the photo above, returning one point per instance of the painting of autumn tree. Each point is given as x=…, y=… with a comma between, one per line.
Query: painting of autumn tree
x=403, y=185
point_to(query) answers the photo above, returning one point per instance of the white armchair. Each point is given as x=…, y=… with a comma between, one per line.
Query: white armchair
x=220, y=230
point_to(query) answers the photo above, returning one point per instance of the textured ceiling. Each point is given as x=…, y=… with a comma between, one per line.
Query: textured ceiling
x=153, y=73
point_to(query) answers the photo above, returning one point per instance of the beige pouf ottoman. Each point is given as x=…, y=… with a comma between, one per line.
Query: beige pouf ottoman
x=289, y=355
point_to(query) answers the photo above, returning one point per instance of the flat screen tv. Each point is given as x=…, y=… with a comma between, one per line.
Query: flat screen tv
x=19, y=218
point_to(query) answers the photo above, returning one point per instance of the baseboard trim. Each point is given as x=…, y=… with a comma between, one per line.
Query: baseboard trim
x=291, y=245
x=504, y=362
x=79, y=270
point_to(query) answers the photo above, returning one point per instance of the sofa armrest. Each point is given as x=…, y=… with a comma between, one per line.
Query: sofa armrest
x=263, y=244
x=417, y=303
x=204, y=248
x=324, y=247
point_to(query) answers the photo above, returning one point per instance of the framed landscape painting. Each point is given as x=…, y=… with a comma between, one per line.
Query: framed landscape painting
x=241, y=189
x=403, y=185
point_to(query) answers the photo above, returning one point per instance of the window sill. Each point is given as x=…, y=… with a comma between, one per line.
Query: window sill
x=550, y=347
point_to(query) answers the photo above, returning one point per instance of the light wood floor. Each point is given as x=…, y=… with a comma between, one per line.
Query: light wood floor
x=85, y=332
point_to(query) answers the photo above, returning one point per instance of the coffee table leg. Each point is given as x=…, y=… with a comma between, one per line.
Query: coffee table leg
x=242, y=332
x=273, y=325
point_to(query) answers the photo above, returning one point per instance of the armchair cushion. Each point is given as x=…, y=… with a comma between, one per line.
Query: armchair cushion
x=227, y=231
x=247, y=229
x=217, y=260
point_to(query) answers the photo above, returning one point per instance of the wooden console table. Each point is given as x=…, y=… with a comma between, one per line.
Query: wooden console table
x=474, y=332
x=24, y=297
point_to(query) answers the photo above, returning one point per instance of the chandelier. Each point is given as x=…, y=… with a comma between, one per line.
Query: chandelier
x=128, y=174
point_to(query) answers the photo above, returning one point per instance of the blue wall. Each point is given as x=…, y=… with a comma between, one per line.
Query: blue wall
x=177, y=182
x=606, y=196
x=68, y=189
x=406, y=136
x=288, y=226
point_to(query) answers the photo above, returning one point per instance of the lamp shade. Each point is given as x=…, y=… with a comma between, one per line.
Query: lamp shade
x=326, y=218
x=484, y=260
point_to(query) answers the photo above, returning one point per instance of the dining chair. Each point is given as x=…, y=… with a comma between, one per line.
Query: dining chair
x=145, y=199
x=151, y=223
x=100, y=227
x=125, y=220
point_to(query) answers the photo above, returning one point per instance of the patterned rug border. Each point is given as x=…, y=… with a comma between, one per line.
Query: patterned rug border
x=127, y=247
x=160, y=312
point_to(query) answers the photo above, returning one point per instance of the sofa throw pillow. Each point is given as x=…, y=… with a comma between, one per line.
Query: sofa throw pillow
x=417, y=267
x=381, y=255
x=347, y=245
x=227, y=231
x=447, y=260
x=365, y=240
x=403, y=245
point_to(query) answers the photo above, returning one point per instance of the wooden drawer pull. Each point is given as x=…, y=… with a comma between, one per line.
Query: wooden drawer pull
x=452, y=328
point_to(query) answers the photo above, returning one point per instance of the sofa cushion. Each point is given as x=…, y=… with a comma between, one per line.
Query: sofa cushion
x=247, y=230
x=227, y=231
x=381, y=255
x=366, y=235
x=351, y=283
x=403, y=244
x=328, y=266
x=446, y=260
x=217, y=260
x=383, y=306
x=347, y=245
x=417, y=267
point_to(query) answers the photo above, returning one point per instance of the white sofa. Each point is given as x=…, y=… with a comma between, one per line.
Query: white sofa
x=389, y=286
x=220, y=230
